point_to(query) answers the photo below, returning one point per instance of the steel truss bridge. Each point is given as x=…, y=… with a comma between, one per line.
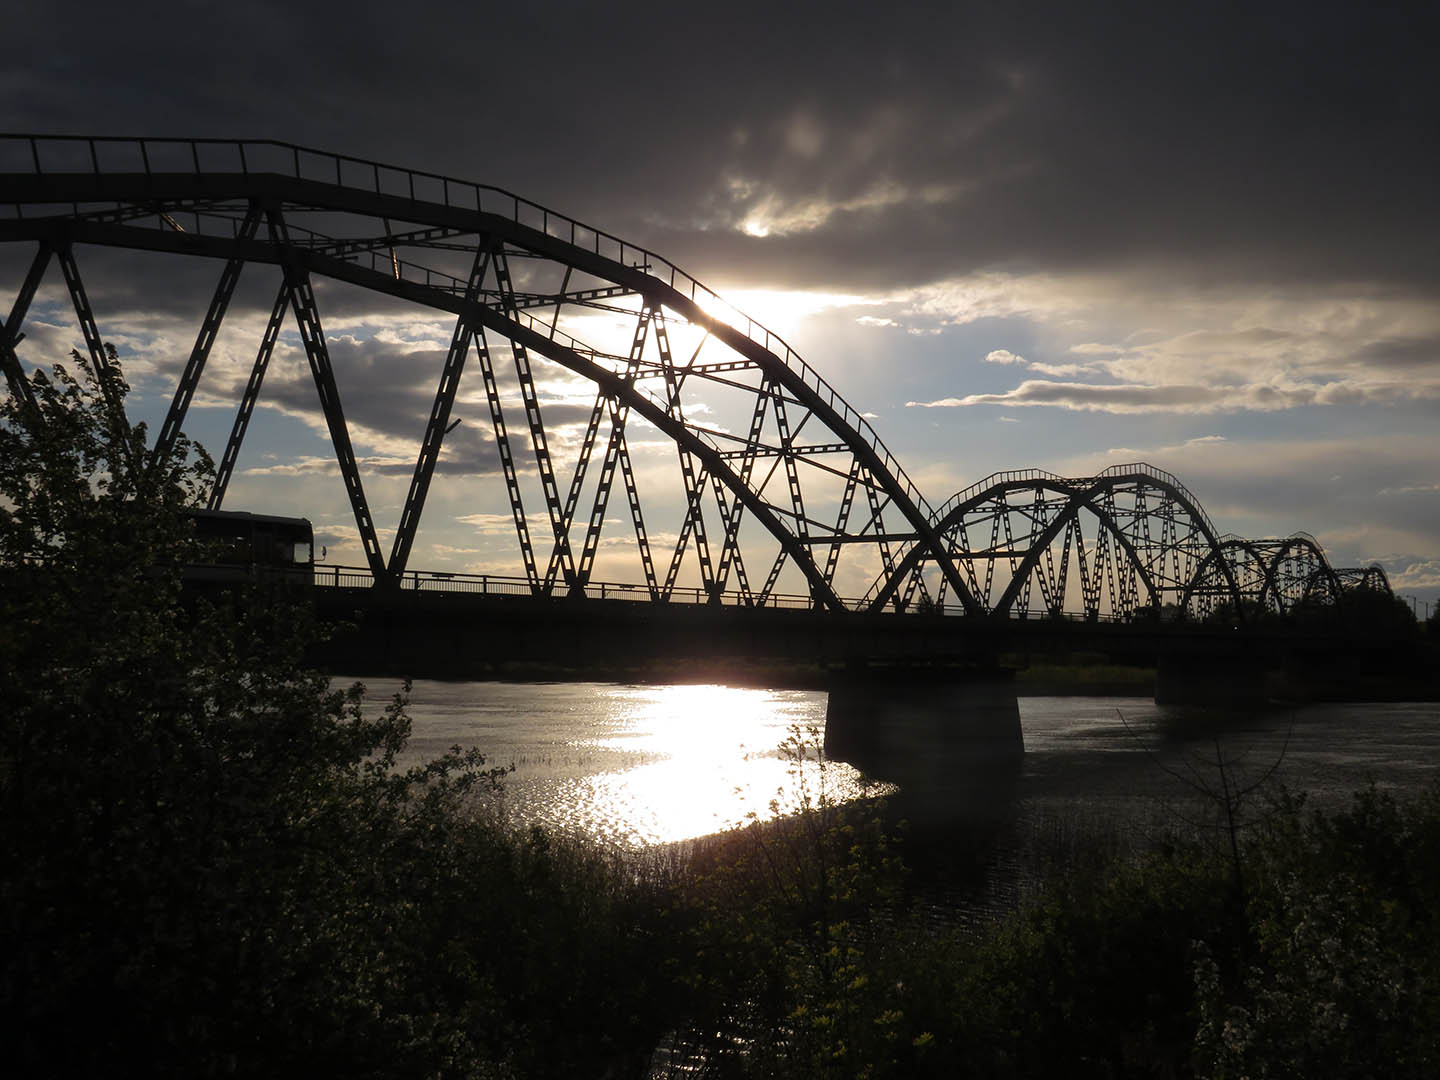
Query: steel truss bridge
x=784, y=493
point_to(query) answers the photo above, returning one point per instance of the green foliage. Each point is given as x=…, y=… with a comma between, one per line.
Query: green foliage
x=1360, y=610
x=1092, y=980
x=1246, y=613
x=1329, y=967
x=1343, y=978
x=211, y=862
x=797, y=929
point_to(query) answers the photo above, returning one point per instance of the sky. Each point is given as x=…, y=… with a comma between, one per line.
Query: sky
x=1052, y=236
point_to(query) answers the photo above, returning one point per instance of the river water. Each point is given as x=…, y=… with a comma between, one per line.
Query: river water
x=643, y=765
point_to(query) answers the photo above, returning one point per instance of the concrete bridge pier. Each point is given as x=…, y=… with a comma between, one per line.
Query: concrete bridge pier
x=921, y=725
x=1236, y=683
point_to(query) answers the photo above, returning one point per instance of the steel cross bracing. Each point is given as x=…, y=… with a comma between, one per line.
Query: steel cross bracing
x=10, y=333
x=616, y=454
x=249, y=397
x=209, y=329
x=312, y=335
x=538, y=441
x=1020, y=537
x=437, y=425
x=99, y=360
x=707, y=419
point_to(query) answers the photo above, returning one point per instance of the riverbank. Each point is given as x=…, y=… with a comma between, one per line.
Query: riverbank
x=1305, y=947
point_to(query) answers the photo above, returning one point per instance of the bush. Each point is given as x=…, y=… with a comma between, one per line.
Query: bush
x=798, y=937
x=212, y=863
x=1343, y=977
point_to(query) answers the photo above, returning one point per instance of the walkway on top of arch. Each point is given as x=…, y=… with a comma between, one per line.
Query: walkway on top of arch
x=763, y=480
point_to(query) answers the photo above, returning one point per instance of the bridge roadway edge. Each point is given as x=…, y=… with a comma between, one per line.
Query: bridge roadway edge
x=902, y=688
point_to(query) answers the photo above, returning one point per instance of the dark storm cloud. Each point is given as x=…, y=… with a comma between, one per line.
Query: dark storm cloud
x=880, y=146
x=1401, y=354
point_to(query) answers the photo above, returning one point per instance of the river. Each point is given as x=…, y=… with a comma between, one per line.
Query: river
x=643, y=765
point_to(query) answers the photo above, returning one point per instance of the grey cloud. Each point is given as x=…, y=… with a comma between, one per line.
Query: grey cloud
x=1085, y=396
x=1136, y=398
x=1401, y=353
x=1283, y=141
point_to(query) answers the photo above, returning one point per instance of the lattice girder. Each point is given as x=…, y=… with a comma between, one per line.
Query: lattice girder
x=1233, y=576
x=1145, y=540
x=772, y=462
x=796, y=478
x=1362, y=579
x=1294, y=565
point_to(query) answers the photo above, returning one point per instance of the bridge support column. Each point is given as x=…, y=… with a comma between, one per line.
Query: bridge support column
x=920, y=725
x=1234, y=683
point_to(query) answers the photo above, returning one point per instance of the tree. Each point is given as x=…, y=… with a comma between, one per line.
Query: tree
x=211, y=863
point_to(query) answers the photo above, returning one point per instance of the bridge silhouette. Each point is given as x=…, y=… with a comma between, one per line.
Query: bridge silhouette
x=801, y=489
x=787, y=497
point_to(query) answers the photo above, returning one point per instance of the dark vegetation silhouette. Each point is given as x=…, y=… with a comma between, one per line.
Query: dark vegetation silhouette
x=210, y=864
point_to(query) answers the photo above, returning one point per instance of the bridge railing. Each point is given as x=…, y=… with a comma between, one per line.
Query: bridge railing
x=106, y=155
x=1023, y=475
x=994, y=479
x=360, y=577
x=1169, y=478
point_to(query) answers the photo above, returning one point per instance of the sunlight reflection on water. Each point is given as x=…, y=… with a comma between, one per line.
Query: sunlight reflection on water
x=631, y=765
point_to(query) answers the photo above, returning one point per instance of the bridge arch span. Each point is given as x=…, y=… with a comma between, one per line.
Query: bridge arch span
x=1296, y=570
x=1362, y=578
x=1149, y=536
x=1233, y=575
x=1278, y=576
x=779, y=490
x=787, y=459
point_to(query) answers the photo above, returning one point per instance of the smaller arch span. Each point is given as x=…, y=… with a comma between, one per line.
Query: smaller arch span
x=1149, y=535
x=1296, y=568
x=1360, y=578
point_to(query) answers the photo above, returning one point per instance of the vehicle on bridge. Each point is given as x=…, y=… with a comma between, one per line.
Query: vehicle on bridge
x=238, y=546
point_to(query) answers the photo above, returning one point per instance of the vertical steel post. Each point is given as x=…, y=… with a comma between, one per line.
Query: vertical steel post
x=507, y=459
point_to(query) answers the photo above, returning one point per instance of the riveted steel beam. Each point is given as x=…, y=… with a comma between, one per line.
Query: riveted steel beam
x=436, y=427
x=204, y=340
x=312, y=335
x=10, y=331
x=104, y=373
